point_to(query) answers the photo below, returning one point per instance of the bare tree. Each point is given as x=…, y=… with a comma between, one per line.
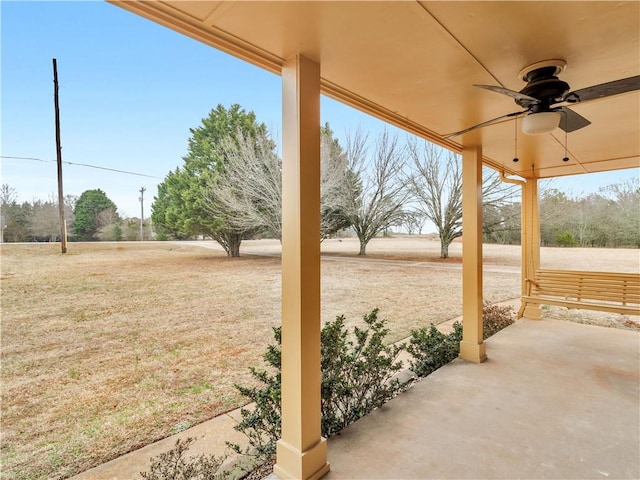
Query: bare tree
x=8, y=195
x=413, y=221
x=584, y=220
x=502, y=224
x=247, y=194
x=108, y=224
x=437, y=185
x=556, y=215
x=45, y=220
x=501, y=197
x=69, y=205
x=376, y=193
x=626, y=196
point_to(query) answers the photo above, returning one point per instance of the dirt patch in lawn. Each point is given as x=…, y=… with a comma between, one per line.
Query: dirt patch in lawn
x=112, y=346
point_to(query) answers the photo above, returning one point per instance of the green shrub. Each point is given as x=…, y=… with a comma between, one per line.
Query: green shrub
x=262, y=423
x=174, y=465
x=357, y=377
x=565, y=239
x=431, y=349
x=495, y=318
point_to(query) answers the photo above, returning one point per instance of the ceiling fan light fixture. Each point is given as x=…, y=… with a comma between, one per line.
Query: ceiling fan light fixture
x=540, y=123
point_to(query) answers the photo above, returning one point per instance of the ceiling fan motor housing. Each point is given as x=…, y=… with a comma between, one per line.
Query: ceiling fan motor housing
x=544, y=86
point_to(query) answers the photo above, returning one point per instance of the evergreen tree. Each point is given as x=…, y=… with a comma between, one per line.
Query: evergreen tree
x=93, y=211
x=181, y=207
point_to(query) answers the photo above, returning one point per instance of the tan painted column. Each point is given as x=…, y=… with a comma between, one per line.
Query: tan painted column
x=472, y=347
x=301, y=452
x=530, y=242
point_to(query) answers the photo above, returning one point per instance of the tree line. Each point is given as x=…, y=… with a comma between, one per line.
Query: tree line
x=229, y=188
x=608, y=218
x=90, y=217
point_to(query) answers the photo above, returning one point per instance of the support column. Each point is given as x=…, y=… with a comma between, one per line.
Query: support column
x=301, y=452
x=530, y=243
x=472, y=347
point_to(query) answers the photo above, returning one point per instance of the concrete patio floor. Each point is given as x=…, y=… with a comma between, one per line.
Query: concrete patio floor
x=554, y=400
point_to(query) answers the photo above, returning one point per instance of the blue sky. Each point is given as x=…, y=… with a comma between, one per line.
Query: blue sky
x=129, y=92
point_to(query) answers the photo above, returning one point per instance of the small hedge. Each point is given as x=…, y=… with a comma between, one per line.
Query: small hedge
x=357, y=371
x=432, y=349
x=175, y=465
x=495, y=318
x=357, y=377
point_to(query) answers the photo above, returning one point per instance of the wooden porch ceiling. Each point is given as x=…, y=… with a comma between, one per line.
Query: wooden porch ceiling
x=413, y=64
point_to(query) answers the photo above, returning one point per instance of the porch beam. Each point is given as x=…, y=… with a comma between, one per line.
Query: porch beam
x=472, y=347
x=301, y=452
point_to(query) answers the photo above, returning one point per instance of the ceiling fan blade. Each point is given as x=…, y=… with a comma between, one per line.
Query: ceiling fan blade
x=484, y=124
x=523, y=100
x=572, y=121
x=604, y=89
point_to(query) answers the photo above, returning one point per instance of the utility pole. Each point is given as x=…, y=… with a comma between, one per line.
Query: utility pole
x=63, y=233
x=142, y=190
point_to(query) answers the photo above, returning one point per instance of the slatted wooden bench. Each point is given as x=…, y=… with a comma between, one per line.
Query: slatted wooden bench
x=603, y=291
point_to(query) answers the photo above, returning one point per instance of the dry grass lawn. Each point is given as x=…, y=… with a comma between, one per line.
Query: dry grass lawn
x=113, y=346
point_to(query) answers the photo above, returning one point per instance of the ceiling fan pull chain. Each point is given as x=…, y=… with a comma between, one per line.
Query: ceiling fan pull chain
x=566, y=156
x=515, y=153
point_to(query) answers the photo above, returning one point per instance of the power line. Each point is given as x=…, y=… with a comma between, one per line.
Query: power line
x=83, y=165
x=27, y=158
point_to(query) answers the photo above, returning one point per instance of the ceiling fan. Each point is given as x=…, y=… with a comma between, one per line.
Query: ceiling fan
x=545, y=99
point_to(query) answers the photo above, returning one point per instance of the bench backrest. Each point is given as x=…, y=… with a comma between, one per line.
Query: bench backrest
x=581, y=285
